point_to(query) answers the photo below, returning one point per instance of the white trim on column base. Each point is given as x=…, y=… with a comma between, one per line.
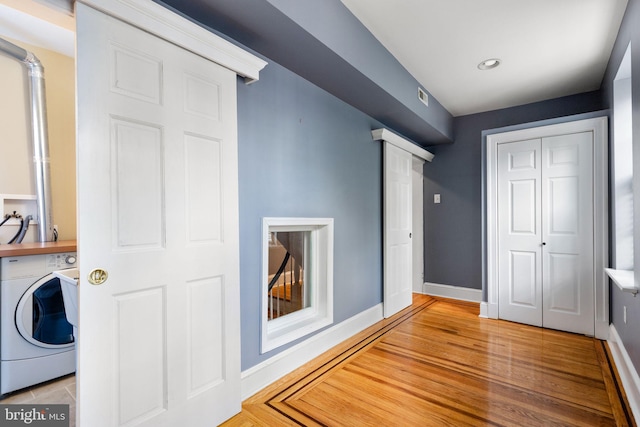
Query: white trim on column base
x=261, y=375
x=454, y=292
x=488, y=310
x=484, y=310
x=626, y=370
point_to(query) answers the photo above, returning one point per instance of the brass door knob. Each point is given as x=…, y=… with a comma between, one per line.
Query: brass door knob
x=98, y=276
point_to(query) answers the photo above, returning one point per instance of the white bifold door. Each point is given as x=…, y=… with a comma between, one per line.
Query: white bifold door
x=545, y=232
x=158, y=231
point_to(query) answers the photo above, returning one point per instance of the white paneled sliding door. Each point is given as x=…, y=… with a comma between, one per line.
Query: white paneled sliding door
x=399, y=204
x=158, y=221
x=398, y=250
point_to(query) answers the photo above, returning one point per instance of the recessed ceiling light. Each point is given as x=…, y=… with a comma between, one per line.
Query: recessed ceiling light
x=489, y=64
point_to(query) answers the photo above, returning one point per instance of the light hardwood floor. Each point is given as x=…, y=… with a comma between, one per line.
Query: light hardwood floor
x=438, y=364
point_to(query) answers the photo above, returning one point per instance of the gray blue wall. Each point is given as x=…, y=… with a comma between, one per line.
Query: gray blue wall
x=304, y=153
x=453, y=229
x=629, y=33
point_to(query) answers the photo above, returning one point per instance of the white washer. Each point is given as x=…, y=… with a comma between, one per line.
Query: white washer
x=36, y=341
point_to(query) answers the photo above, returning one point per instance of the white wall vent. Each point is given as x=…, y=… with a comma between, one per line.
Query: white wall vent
x=423, y=96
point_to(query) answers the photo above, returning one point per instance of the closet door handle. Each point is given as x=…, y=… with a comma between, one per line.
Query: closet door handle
x=544, y=243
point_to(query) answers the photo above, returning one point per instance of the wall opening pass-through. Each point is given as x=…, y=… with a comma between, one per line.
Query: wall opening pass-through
x=297, y=278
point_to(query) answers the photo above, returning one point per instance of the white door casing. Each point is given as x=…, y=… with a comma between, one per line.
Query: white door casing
x=596, y=128
x=397, y=229
x=158, y=210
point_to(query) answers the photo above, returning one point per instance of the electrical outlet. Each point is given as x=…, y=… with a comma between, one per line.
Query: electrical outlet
x=624, y=314
x=436, y=198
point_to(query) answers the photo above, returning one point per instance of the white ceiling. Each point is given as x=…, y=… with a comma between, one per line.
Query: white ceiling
x=548, y=48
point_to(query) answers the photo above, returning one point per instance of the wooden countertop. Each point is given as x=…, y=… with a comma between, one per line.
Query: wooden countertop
x=21, y=249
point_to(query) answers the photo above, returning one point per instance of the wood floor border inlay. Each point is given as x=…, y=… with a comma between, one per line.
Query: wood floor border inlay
x=437, y=363
x=617, y=396
x=277, y=402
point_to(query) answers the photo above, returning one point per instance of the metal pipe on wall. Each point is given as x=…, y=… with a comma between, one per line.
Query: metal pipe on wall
x=42, y=172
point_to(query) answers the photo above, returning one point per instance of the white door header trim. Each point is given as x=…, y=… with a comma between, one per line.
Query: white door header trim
x=383, y=134
x=162, y=22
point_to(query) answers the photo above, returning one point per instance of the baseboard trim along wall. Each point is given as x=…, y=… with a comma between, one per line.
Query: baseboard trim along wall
x=261, y=375
x=454, y=292
x=628, y=373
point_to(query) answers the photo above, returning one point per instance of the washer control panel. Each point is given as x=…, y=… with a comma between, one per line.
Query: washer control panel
x=60, y=261
x=35, y=266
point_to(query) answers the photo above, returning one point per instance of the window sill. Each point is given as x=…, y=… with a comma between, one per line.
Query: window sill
x=624, y=279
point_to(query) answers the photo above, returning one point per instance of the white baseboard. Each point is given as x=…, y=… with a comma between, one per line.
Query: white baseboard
x=454, y=292
x=628, y=373
x=261, y=375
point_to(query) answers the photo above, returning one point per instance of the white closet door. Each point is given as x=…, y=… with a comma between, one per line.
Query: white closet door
x=397, y=229
x=568, y=282
x=158, y=211
x=545, y=232
x=520, y=232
